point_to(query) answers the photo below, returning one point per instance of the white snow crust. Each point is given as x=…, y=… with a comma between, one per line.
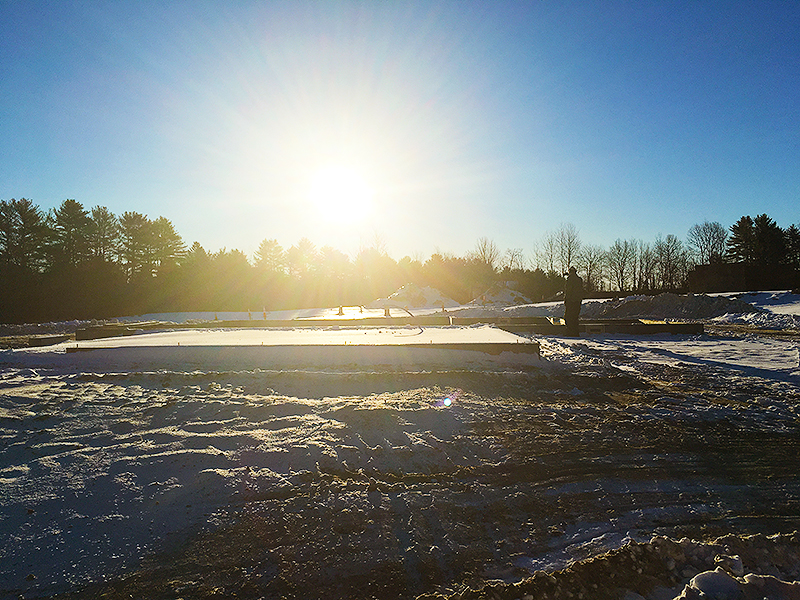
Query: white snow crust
x=413, y=296
x=501, y=295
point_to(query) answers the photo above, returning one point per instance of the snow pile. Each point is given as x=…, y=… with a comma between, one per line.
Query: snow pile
x=413, y=296
x=667, y=306
x=719, y=584
x=760, y=320
x=501, y=294
x=780, y=302
x=59, y=327
x=656, y=569
x=777, y=310
x=729, y=561
x=662, y=306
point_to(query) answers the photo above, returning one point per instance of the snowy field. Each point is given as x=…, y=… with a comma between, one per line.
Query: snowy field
x=338, y=463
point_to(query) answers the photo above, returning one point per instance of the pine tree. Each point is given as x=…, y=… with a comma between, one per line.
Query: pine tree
x=23, y=232
x=792, y=234
x=104, y=234
x=134, y=249
x=167, y=245
x=770, y=241
x=741, y=243
x=270, y=256
x=71, y=228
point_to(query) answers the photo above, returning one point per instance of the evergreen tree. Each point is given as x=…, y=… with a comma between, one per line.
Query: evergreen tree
x=167, y=246
x=196, y=257
x=197, y=279
x=334, y=264
x=270, y=256
x=134, y=248
x=792, y=234
x=71, y=229
x=8, y=232
x=104, y=234
x=770, y=241
x=23, y=235
x=742, y=241
x=302, y=258
x=232, y=280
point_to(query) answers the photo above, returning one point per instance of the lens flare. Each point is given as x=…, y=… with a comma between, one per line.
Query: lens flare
x=449, y=400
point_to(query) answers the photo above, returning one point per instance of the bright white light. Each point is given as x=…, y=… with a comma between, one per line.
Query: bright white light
x=340, y=194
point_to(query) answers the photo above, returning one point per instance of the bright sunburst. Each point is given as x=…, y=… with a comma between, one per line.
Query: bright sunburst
x=341, y=194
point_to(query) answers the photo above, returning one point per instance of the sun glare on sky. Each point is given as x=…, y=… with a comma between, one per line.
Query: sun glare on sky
x=340, y=194
x=339, y=121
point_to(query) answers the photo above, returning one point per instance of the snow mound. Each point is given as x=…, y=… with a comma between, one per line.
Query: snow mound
x=501, y=294
x=413, y=296
x=760, y=320
x=43, y=328
x=667, y=306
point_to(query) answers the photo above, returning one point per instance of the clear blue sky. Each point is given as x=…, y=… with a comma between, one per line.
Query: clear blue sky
x=463, y=119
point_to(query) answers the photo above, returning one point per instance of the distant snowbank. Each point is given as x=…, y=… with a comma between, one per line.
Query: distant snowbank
x=663, y=306
x=760, y=320
x=501, y=294
x=413, y=296
x=56, y=327
x=669, y=306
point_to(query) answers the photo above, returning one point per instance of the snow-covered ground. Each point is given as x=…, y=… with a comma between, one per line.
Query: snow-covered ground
x=396, y=475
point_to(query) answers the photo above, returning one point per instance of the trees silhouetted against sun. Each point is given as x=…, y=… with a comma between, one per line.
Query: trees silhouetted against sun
x=74, y=263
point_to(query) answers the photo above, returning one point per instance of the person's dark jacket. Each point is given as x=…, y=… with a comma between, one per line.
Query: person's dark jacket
x=573, y=291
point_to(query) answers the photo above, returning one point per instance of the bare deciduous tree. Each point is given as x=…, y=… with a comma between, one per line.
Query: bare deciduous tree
x=671, y=260
x=513, y=259
x=546, y=252
x=591, y=260
x=559, y=249
x=620, y=261
x=646, y=264
x=569, y=245
x=707, y=240
x=486, y=253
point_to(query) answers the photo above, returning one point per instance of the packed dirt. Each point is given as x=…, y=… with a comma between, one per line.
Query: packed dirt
x=521, y=471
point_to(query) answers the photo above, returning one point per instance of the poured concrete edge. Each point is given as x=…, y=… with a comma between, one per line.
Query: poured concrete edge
x=537, y=325
x=491, y=348
x=348, y=358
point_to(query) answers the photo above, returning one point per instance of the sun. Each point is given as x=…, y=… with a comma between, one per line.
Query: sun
x=340, y=193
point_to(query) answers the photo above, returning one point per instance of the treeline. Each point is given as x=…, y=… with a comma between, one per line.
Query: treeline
x=752, y=251
x=74, y=263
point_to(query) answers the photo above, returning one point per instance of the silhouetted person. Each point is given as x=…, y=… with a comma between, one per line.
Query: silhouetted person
x=573, y=294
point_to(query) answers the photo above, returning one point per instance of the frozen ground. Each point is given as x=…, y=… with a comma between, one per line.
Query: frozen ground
x=448, y=474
